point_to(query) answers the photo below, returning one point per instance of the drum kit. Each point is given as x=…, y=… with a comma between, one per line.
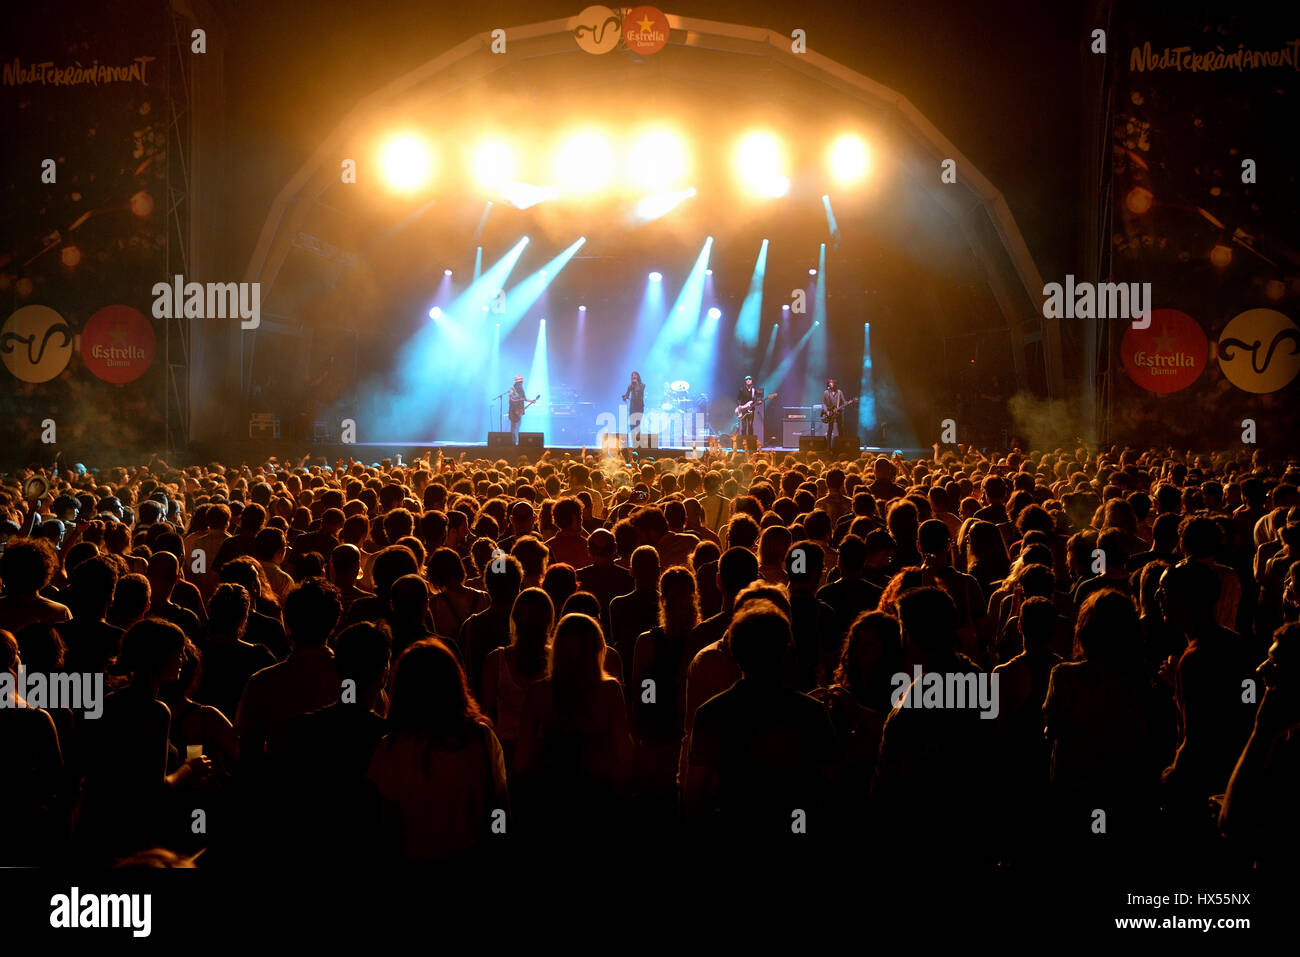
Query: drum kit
x=679, y=398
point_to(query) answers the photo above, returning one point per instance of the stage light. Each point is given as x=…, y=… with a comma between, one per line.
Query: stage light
x=435, y=313
x=407, y=163
x=582, y=308
x=652, y=207
x=1139, y=200
x=847, y=159
x=494, y=164
x=708, y=272
x=524, y=195
x=1275, y=289
x=543, y=273
x=584, y=162
x=1220, y=255
x=142, y=204
x=760, y=164
x=715, y=313
x=446, y=272
x=657, y=161
x=812, y=272
x=785, y=308
x=70, y=255
x=656, y=277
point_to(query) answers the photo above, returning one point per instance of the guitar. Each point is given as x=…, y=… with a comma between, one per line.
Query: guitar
x=828, y=414
x=746, y=409
x=516, y=414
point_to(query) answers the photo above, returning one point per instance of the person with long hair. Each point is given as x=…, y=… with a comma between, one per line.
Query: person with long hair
x=573, y=735
x=634, y=396
x=131, y=763
x=658, y=709
x=858, y=702
x=508, y=672
x=439, y=771
x=986, y=555
x=1110, y=733
x=453, y=600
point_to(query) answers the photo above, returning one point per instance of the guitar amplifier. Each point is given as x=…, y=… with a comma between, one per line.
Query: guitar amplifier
x=792, y=430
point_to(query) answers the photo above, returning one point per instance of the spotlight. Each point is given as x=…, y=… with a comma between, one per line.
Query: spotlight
x=657, y=161
x=848, y=160
x=435, y=313
x=407, y=163
x=1275, y=289
x=785, y=308
x=582, y=308
x=1139, y=200
x=543, y=322
x=715, y=313
x=543, y=273
x=584, y=162
x=1221, y=255
x=142, y=204
x=812, y=272
x=71, y=256
x=446, y=272
x=708, y=272
x=760, y=164
x=655, y=277
x=494, y=164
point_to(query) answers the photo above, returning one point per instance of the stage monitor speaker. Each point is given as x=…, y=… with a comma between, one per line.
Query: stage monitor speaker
x=812, y=443
x=528, y=441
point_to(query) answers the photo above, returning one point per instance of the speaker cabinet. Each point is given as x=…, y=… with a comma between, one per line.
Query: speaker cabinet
x=812, y=443
x=528, y=441
x=792, y=430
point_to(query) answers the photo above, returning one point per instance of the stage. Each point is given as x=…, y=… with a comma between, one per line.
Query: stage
x=374, y=453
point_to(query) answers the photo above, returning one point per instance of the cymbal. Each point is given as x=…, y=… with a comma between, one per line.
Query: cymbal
x=681, y=385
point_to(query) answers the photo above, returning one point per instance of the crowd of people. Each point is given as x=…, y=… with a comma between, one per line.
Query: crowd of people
x=444, y=660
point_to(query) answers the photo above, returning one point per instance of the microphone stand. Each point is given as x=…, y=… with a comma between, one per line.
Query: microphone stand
x=500, y=409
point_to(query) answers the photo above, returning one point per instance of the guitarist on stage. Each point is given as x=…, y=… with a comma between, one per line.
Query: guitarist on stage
x=747, y=400
x=833, y=402
x=518, y=402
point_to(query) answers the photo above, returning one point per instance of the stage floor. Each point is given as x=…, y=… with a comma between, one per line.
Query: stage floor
x=372, y=453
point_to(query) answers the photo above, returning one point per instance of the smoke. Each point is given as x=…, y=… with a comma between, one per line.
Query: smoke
x=1046, y=424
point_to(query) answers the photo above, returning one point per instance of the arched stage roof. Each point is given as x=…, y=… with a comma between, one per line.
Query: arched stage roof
x=702, y=57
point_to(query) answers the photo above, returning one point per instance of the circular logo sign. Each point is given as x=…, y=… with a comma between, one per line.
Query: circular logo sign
x=645, y=30
x=36, y=343
x=1259, y=350
x=596, y=29
x=1166, y=356
x=117, y=344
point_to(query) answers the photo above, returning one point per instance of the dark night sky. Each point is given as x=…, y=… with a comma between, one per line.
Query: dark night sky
x=1007, y=81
